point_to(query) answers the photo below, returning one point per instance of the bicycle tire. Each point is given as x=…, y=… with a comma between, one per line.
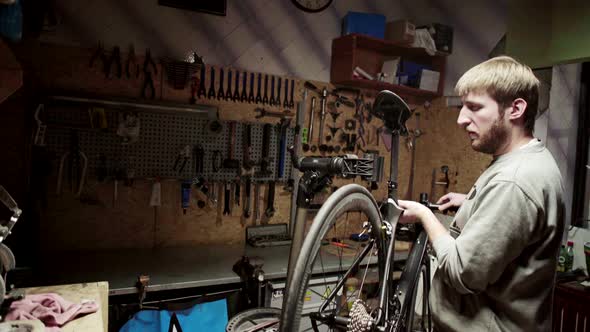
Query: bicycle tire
x=245, y=320
x=409, y=321
x=348, y=198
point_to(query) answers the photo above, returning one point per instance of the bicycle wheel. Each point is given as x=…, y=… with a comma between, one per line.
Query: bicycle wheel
x=258, y=319
x=326, y=255
x=420, y=291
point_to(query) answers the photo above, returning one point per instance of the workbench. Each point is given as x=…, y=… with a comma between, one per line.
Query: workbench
x=169, y=268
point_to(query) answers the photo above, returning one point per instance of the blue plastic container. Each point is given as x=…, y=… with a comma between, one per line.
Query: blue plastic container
x=372, y=25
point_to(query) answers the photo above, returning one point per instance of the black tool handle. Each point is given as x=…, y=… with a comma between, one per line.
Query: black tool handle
x=226, y=208
x=292, y=102
x=251, y=95
x=265, y=98
x=237, y=193
x=211, y=93
x=220, y=94
x=258, y=93
x=272, y=91
x=246, y=211
x=244, y=96
x=278, y=100
x=236, y=96
x=270, y=210
x=286, y=101
x=202, y=91
x=228, y=93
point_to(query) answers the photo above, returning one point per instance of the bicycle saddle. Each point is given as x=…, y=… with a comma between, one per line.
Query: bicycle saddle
x=393, y=110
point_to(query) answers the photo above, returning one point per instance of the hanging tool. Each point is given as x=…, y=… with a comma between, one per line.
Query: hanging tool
x=148, y=84
x=99, y=54
x=247, y=164
x=262, y=113
x=230, y=162
x=220, y=93
x=265, y=98
x=116, y=59
x=202, y=92
x=228, y=94
x=278, y=99
x=237, y=192
x=193, y=98
x=251, y=94
x=323, y=98
x=270, y=202
x=218, y=219
x=291, y=101
x=311, y=121
x=256, y=216
x=199, y=157
x=211, y=93
x=259, y=91
x=181, y=159
x=131, y=63
x=185, y=192
x=76, y=162
x=226, y=202
x=246, y=201
x=39, y=139
x=286, y=102
x=244, y=96
x=282, y=148
x=411, y=140
x=236, y=96
x=272, y=100
x=265, y=160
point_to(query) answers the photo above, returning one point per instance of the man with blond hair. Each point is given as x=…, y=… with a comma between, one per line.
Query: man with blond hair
x=496, y=263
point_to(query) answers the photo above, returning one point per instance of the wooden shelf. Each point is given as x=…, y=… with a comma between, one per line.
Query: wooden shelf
x=368, y=53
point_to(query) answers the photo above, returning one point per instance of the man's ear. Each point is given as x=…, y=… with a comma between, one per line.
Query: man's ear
x=517, y=109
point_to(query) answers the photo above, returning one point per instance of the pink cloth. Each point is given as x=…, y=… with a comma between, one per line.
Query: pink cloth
x=52, y=309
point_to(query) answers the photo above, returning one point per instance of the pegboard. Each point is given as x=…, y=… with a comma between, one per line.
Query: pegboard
x=161, y=138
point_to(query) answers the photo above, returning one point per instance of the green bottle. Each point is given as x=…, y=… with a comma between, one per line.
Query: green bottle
x=561, y=260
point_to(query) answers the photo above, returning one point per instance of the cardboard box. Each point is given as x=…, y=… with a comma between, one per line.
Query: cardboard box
x=372, y=25
x=429, y=80
x=401, y=31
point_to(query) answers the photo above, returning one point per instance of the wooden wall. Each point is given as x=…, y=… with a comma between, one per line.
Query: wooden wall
x=69, y=224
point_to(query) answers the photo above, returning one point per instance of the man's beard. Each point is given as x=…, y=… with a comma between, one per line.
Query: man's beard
x=491, y=141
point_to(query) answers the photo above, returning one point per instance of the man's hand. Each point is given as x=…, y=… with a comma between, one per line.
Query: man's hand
x=413, y=212
x=451, y=200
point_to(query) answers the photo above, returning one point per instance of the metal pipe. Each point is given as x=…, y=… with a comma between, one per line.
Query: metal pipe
x=151, y=106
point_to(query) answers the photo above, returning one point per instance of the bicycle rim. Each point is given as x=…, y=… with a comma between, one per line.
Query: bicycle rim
x=327, y=253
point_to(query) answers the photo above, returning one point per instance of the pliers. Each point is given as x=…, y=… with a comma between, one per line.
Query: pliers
x=131, y=61
x=148, y=84
x=115, y=57
x=183, y=154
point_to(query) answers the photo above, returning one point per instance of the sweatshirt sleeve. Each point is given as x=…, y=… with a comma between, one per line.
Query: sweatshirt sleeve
x=495, y=234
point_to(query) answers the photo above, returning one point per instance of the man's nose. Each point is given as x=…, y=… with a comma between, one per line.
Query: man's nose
x=463, y=119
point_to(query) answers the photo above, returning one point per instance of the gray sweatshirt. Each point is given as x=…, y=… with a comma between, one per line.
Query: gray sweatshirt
x=497, y=266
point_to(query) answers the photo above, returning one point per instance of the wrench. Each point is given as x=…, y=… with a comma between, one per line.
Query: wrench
x=271, y=101
x=220, y=94
x=262, y=113
x=219, y=199
x=278, y=100
x=246, y=201
x=244, y=96
x=291, y=102
x=202, y=91
x=258, y=93
x=286, y=102
x=265, y=99
x=256, y=218
x=211, y=93
x=226, y=203
x=251, y=95
x=228, y=91
x=236, y=95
